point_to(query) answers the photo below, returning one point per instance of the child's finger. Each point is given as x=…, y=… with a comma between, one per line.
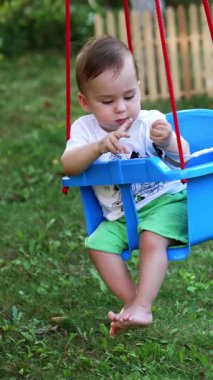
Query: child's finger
x=160, y=122
x=119, y=134
x=117, y=146
x=160, y=126
x=125, y=149
x=111, y=147
x=123, y=134
x=157, y=135
x=125, y=126
x=114, y=142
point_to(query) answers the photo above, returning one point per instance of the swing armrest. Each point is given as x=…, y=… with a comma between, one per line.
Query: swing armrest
x=138, y=170
x=123, y=172
x=197, y=171
x=200, y=164
x=196, y=167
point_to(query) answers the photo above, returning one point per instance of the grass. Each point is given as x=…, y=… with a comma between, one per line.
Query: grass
x=45, y=271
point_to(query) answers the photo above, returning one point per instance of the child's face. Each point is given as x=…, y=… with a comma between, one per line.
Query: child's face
x=113, y=98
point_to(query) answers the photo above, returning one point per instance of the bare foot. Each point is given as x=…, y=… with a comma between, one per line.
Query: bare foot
x=132, y=317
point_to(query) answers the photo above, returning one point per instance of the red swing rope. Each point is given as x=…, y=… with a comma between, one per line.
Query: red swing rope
x=128, y=28
x=68, y=74
x=68, y=67
x=169, y=81
x=208, y=16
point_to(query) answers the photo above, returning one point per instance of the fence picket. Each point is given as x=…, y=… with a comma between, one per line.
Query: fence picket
x=110, y=24
x=173, y=50
x=195, y=50
x=138, y=50
x=160, y=67
x=150, y=65
x=99, y=27
x=184, y=51
x=122, y=27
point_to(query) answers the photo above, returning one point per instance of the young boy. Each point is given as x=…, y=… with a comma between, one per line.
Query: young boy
x=116, y=127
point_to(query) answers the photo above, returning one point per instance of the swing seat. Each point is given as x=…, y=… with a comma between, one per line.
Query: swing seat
x=196, y=126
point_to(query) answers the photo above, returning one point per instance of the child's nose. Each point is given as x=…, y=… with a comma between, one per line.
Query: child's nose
x=120, y=106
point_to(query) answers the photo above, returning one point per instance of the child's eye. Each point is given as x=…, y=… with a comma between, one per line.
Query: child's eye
x=129, y=97
x=107, y=101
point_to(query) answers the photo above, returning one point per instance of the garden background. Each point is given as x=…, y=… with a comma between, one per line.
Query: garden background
x=53, y=305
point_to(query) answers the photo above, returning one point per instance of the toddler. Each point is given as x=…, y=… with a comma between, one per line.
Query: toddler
x=117, y=128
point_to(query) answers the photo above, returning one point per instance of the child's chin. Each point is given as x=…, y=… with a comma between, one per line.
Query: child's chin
x=110, y=128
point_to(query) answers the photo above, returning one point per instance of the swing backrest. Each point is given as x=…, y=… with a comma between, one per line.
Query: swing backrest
x=196, y=126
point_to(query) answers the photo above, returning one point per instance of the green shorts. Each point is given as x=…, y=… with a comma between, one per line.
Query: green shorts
x=165, y=216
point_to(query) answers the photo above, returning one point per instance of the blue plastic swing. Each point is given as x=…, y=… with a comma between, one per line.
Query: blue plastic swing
x=197, y=128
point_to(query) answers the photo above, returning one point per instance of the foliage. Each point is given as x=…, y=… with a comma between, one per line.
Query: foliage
x=29, y=25
x=82, y=24
x=113, y=4
x=53, y=305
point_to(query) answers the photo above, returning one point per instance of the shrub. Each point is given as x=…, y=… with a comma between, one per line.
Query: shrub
x=40, y=24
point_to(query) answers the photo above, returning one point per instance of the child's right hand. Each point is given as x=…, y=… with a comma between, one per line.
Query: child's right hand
x=111, y=142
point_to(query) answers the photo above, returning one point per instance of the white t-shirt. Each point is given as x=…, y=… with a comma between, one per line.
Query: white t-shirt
x=86, y=130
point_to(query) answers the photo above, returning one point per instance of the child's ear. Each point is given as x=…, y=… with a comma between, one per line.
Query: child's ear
x=83, y=102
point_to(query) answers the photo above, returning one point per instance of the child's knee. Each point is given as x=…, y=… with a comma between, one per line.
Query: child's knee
x=152, y=242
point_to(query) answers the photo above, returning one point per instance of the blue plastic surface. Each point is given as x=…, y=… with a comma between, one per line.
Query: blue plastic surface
x=196, y=126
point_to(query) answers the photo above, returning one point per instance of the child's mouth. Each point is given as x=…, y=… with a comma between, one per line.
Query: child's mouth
x=121, y=121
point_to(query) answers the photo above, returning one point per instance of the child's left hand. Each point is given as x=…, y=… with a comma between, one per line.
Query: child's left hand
x=161, y=133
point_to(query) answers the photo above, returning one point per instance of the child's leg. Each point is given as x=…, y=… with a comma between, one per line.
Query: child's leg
x=115, y=274
x=153, y=266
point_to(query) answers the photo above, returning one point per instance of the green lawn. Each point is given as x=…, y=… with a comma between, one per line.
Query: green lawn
x=45, y=271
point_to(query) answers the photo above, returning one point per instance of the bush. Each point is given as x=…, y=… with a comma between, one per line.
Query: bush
x=82, y=24
x=40, y=24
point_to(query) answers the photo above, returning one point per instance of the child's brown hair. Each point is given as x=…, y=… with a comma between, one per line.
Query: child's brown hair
x=100, y=54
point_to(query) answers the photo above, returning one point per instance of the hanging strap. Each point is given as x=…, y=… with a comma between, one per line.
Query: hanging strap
x=208, y=16
x=68, y=74
x=169, y=81
x=128, y=28
x=68, y=68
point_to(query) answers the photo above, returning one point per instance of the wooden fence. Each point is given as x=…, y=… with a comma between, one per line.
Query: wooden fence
x=189, y=46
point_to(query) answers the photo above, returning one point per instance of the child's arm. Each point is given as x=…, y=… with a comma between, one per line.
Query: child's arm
x=76, y=160
x=161, y=134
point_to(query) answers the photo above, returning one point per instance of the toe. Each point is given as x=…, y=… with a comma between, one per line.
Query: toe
x=112, y=330
x=111, y=316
